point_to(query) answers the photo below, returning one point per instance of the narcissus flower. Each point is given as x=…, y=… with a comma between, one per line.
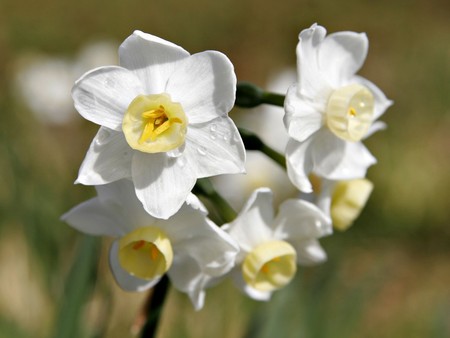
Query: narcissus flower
x=330, y=109
x=272, y=247
x=187, y=246
x=164, y=121
x=343, y=201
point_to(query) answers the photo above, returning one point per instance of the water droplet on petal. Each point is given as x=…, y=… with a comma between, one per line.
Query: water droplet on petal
x=174, y=153
x=181, y=161
x=201, y=151
x=213, y=127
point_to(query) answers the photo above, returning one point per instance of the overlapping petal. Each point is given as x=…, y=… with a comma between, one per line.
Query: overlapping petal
x=312, y=82
x=102, y=95
x=303, y=117
x=252, y=226
x=215, y=147
x=205, y=85
x=151, y=58
x=187, y=276
x=92, y=218
x=298, y=219
x=299, y=164
x=341, y=55
x=309, y=251
x=122, y=201
x=107, y=160
x=162, y=183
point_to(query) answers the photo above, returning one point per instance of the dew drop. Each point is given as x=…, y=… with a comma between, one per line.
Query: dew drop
x=201, y=151
x=213, y=127
x=174, y=153
x=181, y=161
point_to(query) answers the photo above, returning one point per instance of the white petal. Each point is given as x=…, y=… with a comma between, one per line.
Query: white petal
x=103, y=95
x=121, y=199
x=299, y=164
x=186, y=276
x=252, y=226
x=93, y=218
x=327, y=151
x=354, y=162
x=302, y=119
x=298, y=219
x=309, y=252
x=376, y=126
x=341, y=55
x=193, y=235
x=205, y=85
x=312, y=83
x=107, y=160
x=240, y=283
x=323, y=199
x=215, y=148
x=162, y=183
x=381, y=101
x=122, y=277
x=151, y=58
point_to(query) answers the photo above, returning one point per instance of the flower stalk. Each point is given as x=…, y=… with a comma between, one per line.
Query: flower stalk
x=249, y=95
x=253, y=142
x=204, y=187
x=155, y=308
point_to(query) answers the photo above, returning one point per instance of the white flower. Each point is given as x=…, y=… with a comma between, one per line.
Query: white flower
x=164, y=118
x=188, y=246
x=330, y=109
x=271, y=247
x=343, y=201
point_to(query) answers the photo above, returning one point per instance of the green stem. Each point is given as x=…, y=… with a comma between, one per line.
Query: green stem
x=253, y=142
x=155, y=308
x=249, y=95
x=204, y=187
x=273, y=99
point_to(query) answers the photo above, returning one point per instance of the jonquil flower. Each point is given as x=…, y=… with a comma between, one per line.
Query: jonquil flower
x=343, y=201
x=187, y=246
x=272, y=247
x=330, y=109
x=164, y=121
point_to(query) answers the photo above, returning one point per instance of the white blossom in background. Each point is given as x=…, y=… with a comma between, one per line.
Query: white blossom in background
x=342, y=201
x=164, y=121
x=330, y=109
x=272, y=247
x=44, y=83
x=189, y=247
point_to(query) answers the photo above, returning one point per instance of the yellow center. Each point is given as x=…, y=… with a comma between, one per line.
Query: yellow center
x=145, y=253
x=349, y=112
x=270, y=266
x=154, y=124
x=347, y=201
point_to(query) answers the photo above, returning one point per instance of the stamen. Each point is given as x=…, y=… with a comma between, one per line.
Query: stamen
x=138, y=245
x=154, y=253
x=154, y=123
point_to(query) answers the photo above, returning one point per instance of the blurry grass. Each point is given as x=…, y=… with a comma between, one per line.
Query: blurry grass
x=387, y=277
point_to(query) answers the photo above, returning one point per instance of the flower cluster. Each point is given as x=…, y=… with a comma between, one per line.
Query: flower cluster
x=163, y=117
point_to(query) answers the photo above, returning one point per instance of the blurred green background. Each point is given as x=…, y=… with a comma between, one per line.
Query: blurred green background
x=388, y=276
